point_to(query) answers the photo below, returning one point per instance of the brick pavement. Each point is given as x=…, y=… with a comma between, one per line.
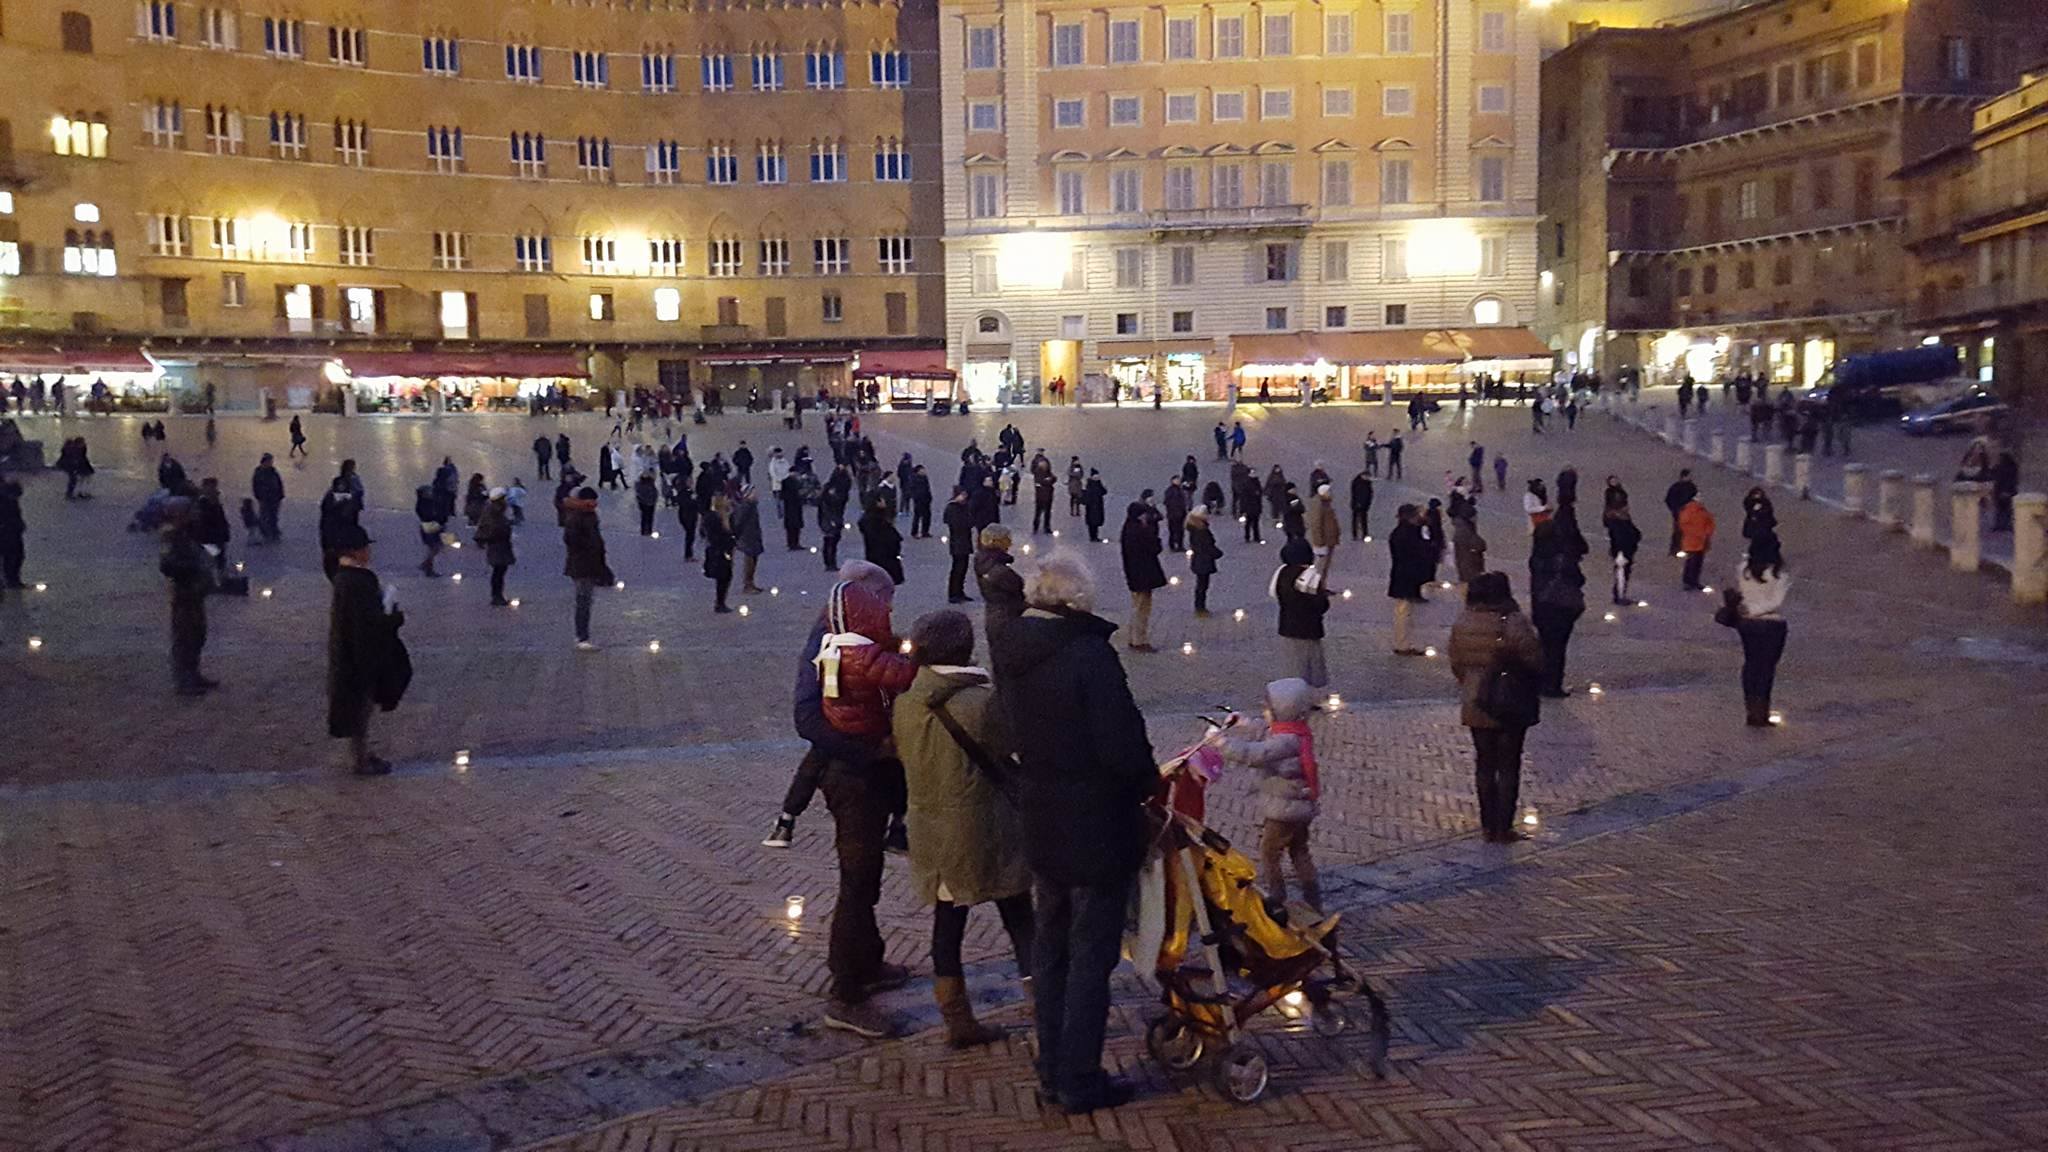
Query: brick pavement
x=208, y=938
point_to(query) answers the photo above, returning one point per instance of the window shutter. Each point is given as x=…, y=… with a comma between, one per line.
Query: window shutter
x=475, y=319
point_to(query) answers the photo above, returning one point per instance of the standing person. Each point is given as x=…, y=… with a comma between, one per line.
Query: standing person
x=647, y=496
x=1498, y=660
x=1324, y=533
x=688, y=514
x=790, y=495
x=13, y=534
x=959, y=545
x=1536, y=503
x=743, y=463
x=1557, y=599
x=1176, y=502
x=1361, y=505
x=1500, y=472
x=543, y=452
x=1395, y=447
x=1283, y=755
x=1468, y=547
x=1237, y=440
x=1094, y=500
x=1372, y=454
x=966, y=836
x=1077, y=486
x=298, y=432
x=494, y=536
x=718, y=549
x=1205, y=553
x=746, y=533
x=1190, y=474
x=474, y=499
x=1002, y=589
x=267, y=486
x=184, y=563
x=562, y=451
x=1043, y=486
x=339, y=509
x=1275, y=493
x=984, y=503
x=1695, y=536
x=918, y=491
x=832, y=514
x=426, y=508
x=1222, y=442
x=2005, y=484
x=583, y=541
x=1759, y=515
x=1623, y=539
x=1086, y=770
x=882, y=542
x=1298, y=589
x=367, y=665
x=1476, y=458
x=1412, y=561
x=1139, y=543
x=1245, y=489
x=1676, y=497
x=1754, y=608
x=210, y=524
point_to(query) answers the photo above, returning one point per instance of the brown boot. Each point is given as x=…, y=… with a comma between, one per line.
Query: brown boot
x=962, y=1029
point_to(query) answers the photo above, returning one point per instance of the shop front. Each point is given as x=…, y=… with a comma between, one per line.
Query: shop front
x=478, y=381
x=760, y=377
x=103, y=379
x=913, y=379
x=1171, y=370
x=1361, y=366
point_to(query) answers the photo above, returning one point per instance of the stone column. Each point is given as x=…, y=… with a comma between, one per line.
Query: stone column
x=1670, y=432
x=1717, y=446
x=2030, y=548
x=437, y=402
x=348, y=400
x=1852, y=488
x=1890, y=485
x=1965, y=525
x=1774, y=464
x=1689, y=437
x=1923, y=510
x=1743, y=448
x=1802, y=475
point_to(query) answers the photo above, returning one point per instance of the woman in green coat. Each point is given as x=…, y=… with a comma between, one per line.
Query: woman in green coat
x=966, y=842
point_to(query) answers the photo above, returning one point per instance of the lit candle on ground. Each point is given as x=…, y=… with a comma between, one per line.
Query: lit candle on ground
x=793, y=907
x=654, y=645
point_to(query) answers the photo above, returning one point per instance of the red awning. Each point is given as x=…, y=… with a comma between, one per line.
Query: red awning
x=500, y=365
x=73, y=360
x=905, y=363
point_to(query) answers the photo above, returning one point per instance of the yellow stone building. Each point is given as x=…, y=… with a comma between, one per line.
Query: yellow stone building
x=1173, y=198
x=504, y=193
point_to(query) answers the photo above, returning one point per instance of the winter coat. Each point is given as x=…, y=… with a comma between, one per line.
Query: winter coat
x=718, y=544
x=473, y=502
x=746, y=527
x=1276, y=493
x=1139, y=542
x=338, y=511
x=494, y=534
x=1092, y=499
x=1323, y=529
x=1176, y=503
x=266, y=485
x=959, y=522
x=1468, y=548
x=1763, y=599
x=870, y=671
x=985, y=505
x=646, y=492
x=363, y=650
x=832, y=508
x=1086, y=766
x=1623, y=537
x=1276, y=757
x=1555, y=580
x=583, y=543
x=1301, y=613
x=1202, y=542
x=966, y=838
x=880, y=540
x=1679, y=494
x=1002, y=589
x=1695, y=528
x=1414, y=562
x=211, y=522
x=1482, y=635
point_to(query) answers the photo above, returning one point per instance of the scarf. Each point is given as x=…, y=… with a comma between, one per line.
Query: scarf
x=1305, y=745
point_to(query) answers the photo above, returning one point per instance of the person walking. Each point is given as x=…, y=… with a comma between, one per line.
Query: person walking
x=1412, y=562
x=959, y=545
x=646, y=497
x=1695, y=537
x=1085, y=772
x=367, y=665
x=719, y=541
x=883, y=544
x=1298, y=589
x=1500, y=472
x=1676, y=497
x=13, y=534
x=1139, y=543
x=689, y=514
x=1498, y=661
x=1203, y=554
x=494, y=536
x=1237, y=439
x=966, y=836
x=426, y=508
x=1755, y=609
x=1557, y=599
x=832, y=514
x=1395, y=448
x=190, y=572
x=584, y=564
x=1324, y=533
x=543, y=453
x=1282, y=754
x=266, y=485
x=1222, y=442
x=1094, y=501
x=562, y=451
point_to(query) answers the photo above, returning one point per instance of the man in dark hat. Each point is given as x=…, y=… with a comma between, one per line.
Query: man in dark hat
x=367, y=666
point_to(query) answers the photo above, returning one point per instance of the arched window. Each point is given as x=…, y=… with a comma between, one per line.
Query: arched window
x=1486, y=311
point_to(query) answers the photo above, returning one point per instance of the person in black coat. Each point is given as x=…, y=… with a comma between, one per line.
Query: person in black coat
x=1139, y=543
x=832, y=514
x=584, y=558
x=984, y=503
x=1361, y=506
x=1093, y=500
x=1212, y=498
x=1002, y=589
x=918, y=490
x=1043, y=486
x=543, y=452
x=743, y=463
x=184, y=563
x=562, y=450
x=1202, y=543
x=1676, y=498
x=719, y=542
x=1298, y=589
x=1412, y=563
x=339, y=510
x=13, y=531
x=1190, y=473
x=792, y=497
x=267, y=486
x=882, y=542
x=1085, y=771
x=688, y=514
x=367, y=667
x=1176, y=504
x=1557, y=599
x=960, y=532
x=210, y=525
x=1245, y=488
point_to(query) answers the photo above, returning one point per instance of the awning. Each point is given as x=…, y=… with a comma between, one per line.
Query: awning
x=1145, y=349
x=743, y=358
x=905, y=364
x=499, y=365
x=1391, y=346
x=74, y=361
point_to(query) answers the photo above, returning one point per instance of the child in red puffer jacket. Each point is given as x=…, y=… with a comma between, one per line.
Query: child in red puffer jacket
x=859, y=664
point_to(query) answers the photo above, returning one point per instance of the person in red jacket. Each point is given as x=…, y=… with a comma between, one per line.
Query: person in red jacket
x=860, y=672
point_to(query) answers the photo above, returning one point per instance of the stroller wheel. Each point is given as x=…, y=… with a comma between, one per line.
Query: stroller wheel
x=1241, y=1074
x=1173, y=1043
x=1329, y=1019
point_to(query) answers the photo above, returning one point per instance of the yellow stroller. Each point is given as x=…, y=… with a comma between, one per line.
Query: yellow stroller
x=1221, y=955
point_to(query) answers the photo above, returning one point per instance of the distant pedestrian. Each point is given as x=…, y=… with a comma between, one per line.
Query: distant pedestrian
x=1468, y=547
x=1237, y=439
x=1094, y=498
x=367, y=666
x=1557, y=599
x=1002, y=588
x=1175, y=503
x=746, y=534
x=1500, y=472
x=190, y=572
x=1695, y=537
x=298, y=432
x=1299, y=591
x=1395, y=447
x=1676, y=497
x=882, y=543
x=1476, y=459
x=1139, y=543
x=647, y=497
x=494, y=536
x=1324, y=533
x=426, y=508
x=718, y=549
x=1754, y=608
x=1412, y=561
x=266, y=486
x=543, y=452
x=1361, y=505
x=1498, y=660
x=1202, y=544
x=960, y=533
x=584, y=564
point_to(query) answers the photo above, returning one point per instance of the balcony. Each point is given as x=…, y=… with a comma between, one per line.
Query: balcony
x=1976, y=301
x=1254, y=217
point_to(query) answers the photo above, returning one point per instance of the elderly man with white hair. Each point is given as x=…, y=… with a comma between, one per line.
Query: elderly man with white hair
x=1086, y=770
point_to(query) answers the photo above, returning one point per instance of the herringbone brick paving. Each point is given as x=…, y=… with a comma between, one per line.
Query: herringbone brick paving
x=195, y=962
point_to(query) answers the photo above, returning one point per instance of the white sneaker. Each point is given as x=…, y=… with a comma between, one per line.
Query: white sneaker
x=585, y=646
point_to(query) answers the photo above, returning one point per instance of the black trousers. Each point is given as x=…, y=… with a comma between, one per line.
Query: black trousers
x=829, y=548
x=1041, y=516
x=1393, y=466
x=1694, y=561
x=1497, y=776
x=12, y=553
x=1254, y=532
x=793, y=529
x=1763, y=644
x=1080, y=938
x=956, y=577
x=1177, y=536
x=804, y=785
x=498, y=582
x=542, y=461
x=921, y=518
x=949, y=928
x=861, y=800
x=688, y=523
x=647, y=519
x=1361, y=521
x=722, y=584
x=1674, y=535
x=1554, y=628
x=188, y=638
x=266, y=519
x=1202, y=591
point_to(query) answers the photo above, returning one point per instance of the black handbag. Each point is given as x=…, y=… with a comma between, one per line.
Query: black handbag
x=1507, y=693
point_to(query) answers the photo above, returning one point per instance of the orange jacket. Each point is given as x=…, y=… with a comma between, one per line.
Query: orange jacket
x=1695, y=527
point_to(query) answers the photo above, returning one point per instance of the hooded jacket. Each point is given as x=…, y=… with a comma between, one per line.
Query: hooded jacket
x=1086, y=766
x=1284, y=789
x=859, y=667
